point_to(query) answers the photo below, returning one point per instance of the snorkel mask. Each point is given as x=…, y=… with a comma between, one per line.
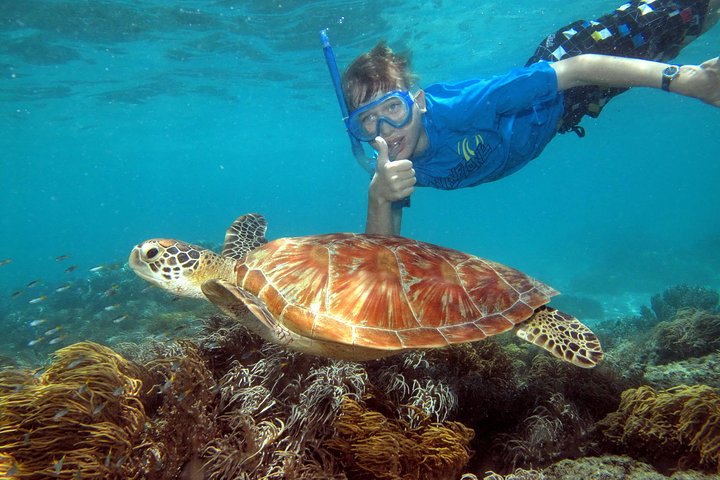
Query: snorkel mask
x=394, y=108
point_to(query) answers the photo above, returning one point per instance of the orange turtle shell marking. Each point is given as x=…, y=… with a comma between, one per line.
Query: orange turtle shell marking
x=387, y=292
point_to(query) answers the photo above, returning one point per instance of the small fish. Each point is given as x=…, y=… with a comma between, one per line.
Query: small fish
x=60, y=258
x=14, y=470
x=53, y=331
x=16, y=293
x=119, y=391
x=76, y=362
x=98, y=408
x=71, y=269
x=5, y=262
x=33, y=283
x=83, y=389
x=110, y=308
x=61, y=414
x=57, y=340
x=166, y=386
x=183, y=395
x=98, y=268
x=37, y=322
x=63, y=287
x=26, y=439
x=32, y=343
x=120, y=318
x=111, y=291
x=58, y=465
x=39, y=299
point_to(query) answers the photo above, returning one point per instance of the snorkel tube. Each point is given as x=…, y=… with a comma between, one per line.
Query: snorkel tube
x=358, y=151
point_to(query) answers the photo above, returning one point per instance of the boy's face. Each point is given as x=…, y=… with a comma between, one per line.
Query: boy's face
x=409, y=139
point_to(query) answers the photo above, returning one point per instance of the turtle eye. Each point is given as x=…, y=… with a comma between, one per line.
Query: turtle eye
x=152, y=253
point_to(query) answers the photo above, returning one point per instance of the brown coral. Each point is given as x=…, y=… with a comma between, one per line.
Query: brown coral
x=371, y=445
x=80, y=418
x=185, y=419
x=674, y=428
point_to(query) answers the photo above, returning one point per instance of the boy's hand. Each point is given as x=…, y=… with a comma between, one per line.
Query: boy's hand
x=701, y=81
x=392, y=180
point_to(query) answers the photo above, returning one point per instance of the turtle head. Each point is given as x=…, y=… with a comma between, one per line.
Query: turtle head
x=178, y=267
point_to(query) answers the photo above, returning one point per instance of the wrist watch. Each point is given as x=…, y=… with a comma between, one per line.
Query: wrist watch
x=668, y=75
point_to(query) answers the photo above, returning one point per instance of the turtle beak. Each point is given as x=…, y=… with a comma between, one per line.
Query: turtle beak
x=140, y=268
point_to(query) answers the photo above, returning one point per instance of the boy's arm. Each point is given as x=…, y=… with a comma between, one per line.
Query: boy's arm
x=699, y=81
x=392, y=181
x=382, y=218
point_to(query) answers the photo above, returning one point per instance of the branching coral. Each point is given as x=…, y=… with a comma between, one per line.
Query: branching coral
x=80, y=418
x=373, y=446
x=677, y=427
x=555, y=429
x=276, y=410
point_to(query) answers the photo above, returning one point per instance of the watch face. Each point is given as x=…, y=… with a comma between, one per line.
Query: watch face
x=671, y=71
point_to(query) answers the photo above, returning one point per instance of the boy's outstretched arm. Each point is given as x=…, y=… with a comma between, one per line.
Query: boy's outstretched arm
x=392, y=181
x=698, y=81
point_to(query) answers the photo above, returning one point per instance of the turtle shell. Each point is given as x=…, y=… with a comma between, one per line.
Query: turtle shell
x=385, y=292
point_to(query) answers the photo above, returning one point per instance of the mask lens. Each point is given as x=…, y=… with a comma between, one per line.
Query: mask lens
x=395, y=109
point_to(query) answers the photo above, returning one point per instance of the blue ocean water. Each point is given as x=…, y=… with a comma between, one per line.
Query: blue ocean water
x=122, y=121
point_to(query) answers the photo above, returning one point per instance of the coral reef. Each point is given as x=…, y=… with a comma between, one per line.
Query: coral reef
x=701, y=370
x=666, y=305
x=79, y=418
x=609, y=467
x=689, y=333
x=677, y=428
x=222, y=403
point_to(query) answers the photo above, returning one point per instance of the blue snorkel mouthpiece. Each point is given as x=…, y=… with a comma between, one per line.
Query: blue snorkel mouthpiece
x=358, y=151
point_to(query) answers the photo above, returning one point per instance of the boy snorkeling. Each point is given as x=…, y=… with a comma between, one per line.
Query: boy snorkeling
x=455, y=135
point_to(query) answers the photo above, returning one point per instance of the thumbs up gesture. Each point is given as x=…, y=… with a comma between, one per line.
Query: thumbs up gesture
x=393, y=180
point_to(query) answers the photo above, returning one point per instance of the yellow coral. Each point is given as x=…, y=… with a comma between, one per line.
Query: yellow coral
x=374, y=446
x=680, y=424
x=77, y=419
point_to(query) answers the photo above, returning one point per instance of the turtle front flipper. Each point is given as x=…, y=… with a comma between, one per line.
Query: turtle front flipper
x=562, y=335
x=239, y=304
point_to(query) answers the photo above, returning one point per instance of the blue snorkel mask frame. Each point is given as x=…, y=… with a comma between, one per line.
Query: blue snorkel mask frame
x=357, y=149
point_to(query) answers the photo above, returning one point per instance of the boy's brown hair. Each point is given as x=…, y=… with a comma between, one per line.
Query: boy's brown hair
x=379, y=70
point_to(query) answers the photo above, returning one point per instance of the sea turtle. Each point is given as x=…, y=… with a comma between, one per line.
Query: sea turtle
x=359, y=296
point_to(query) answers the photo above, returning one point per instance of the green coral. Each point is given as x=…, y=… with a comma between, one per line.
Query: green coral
x=674, y=428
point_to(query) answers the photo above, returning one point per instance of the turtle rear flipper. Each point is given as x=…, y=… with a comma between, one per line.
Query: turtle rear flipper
x=562, y=335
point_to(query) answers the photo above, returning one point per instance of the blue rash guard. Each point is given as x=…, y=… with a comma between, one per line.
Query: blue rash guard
x=482, y=130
